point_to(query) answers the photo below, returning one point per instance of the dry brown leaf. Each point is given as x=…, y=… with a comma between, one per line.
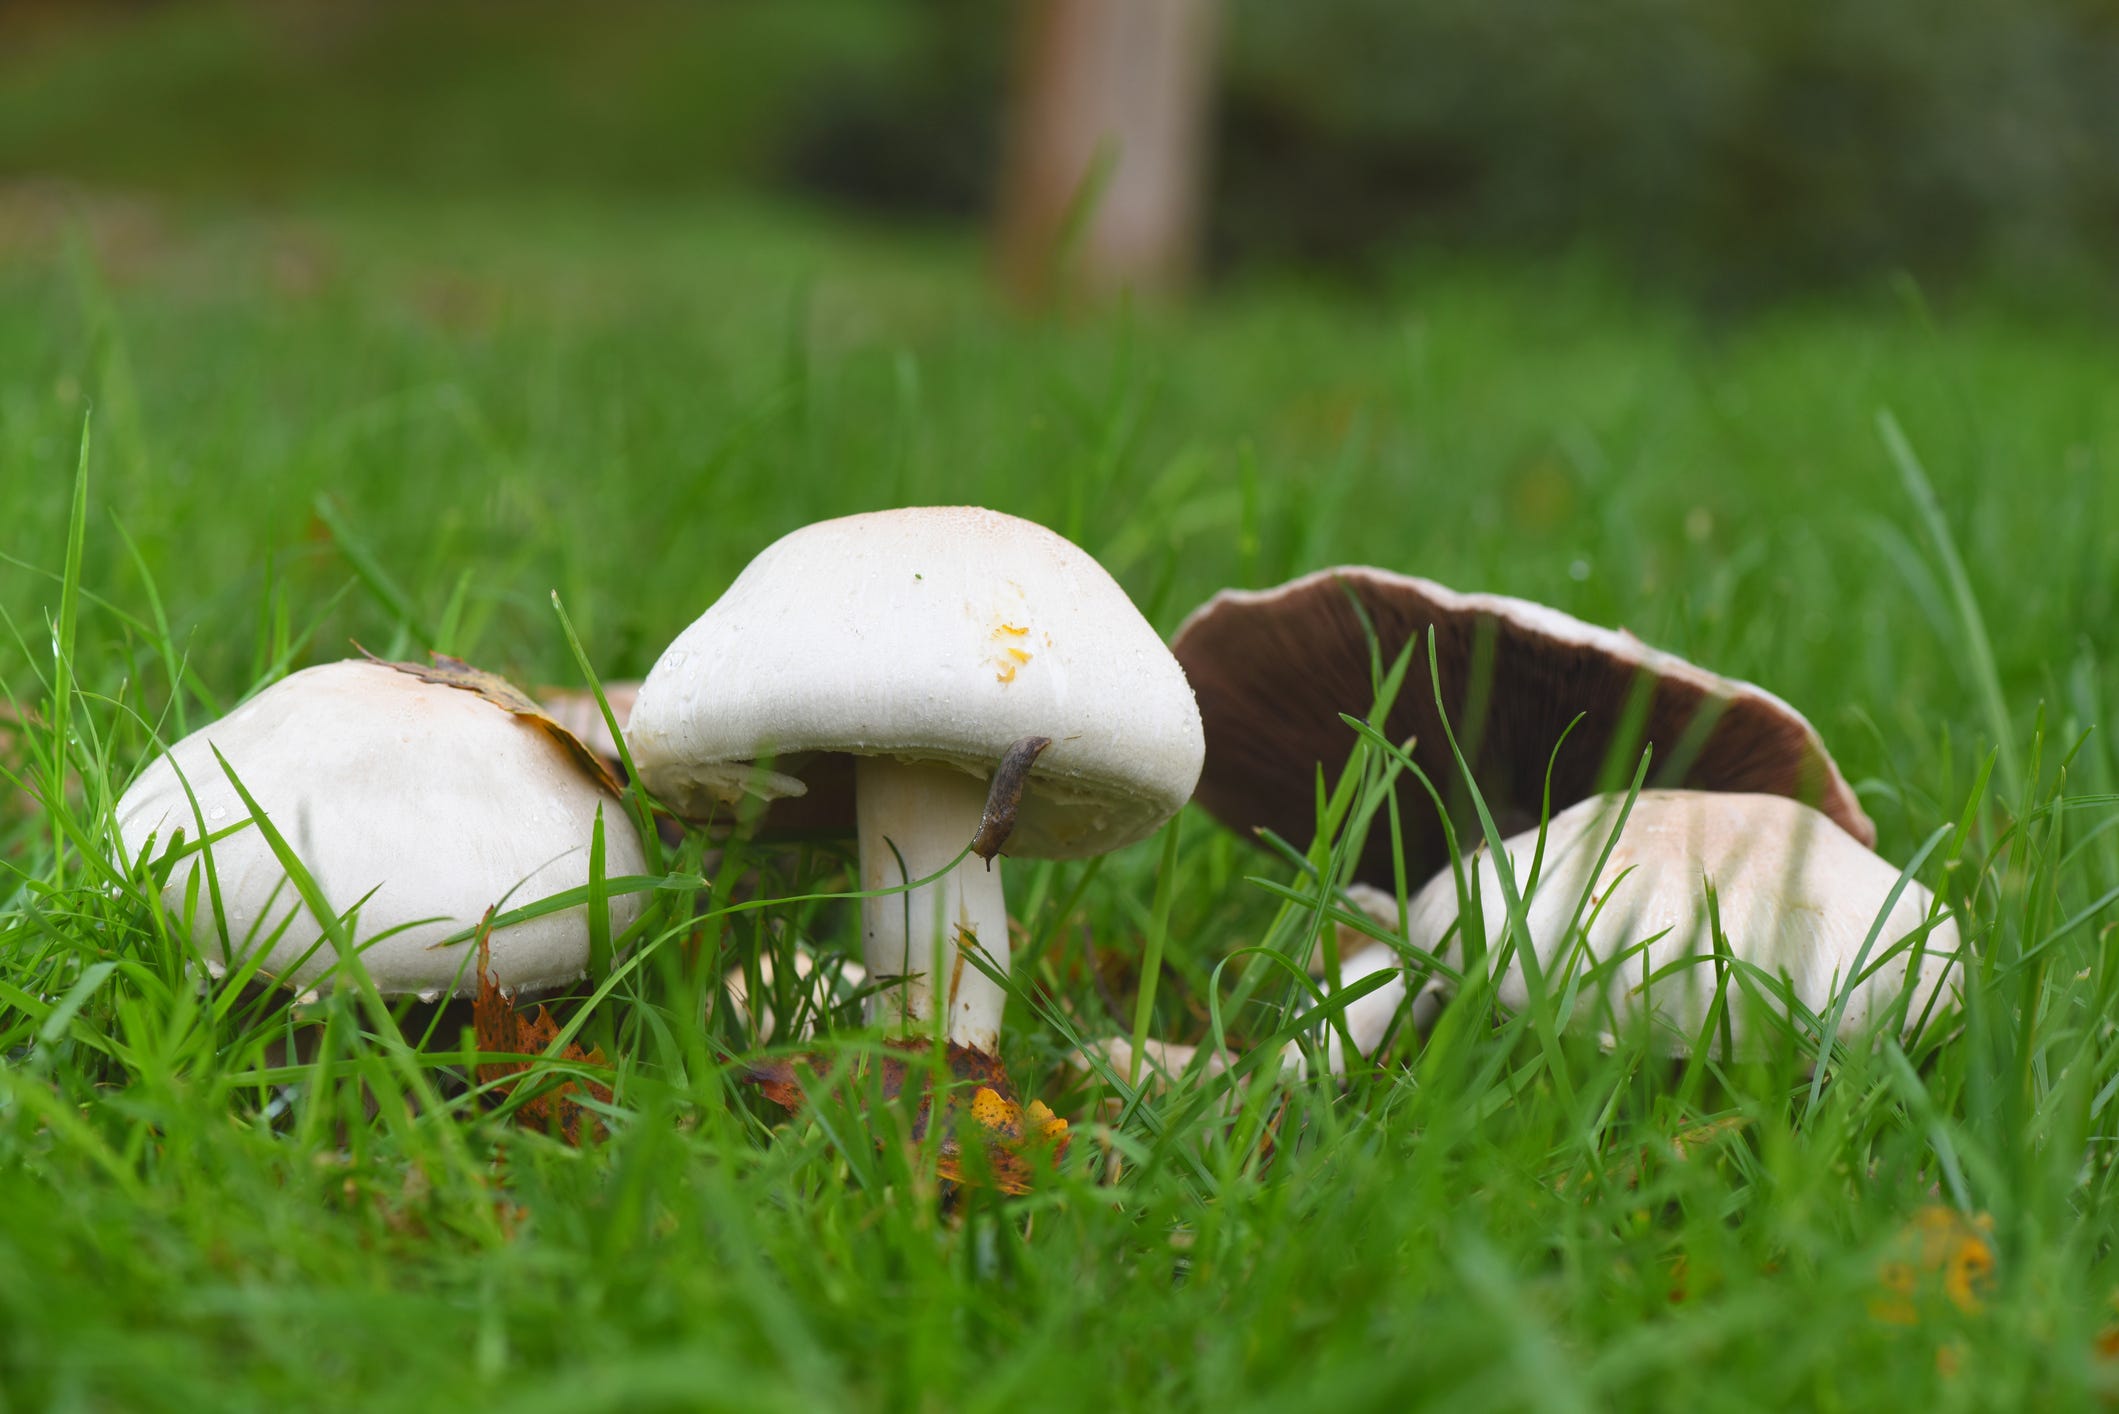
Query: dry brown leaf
x=502, y=1030
x=1013, y=1134
x=455, y=672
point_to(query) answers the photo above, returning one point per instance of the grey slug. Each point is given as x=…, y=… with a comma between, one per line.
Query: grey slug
x=997, y=823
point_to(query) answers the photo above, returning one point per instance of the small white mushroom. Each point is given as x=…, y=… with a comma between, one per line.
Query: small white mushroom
x=1367, y=1018
x=423, y=804
x=1163, y=1061
x=926, y=643
x=1795, y=895
x=826, y=986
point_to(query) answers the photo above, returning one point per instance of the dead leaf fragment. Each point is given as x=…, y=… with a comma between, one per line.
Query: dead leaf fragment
x=502, y=1030
x=446, y=671
x=1011, y=1135
x=1702, y=1136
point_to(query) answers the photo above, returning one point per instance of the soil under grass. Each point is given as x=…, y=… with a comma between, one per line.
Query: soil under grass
x=411, y=426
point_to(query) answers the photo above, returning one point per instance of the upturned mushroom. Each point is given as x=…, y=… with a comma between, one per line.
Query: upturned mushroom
x=417, y=804
x=1274, y=669
x=1795, y=897
x=931, y=646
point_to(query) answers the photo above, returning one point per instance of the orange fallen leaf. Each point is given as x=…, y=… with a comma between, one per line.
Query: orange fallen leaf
x=502, y=1030
x=1938, y=1249
x=1011, y=1133
x=455, y=672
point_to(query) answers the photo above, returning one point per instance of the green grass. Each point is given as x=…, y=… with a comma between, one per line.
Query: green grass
x=410, y=426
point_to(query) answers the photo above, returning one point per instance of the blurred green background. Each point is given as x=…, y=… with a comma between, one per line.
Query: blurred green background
x=1598, y=309
x=1740, y=150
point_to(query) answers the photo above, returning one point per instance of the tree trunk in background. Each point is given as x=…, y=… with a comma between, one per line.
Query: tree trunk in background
x=1107, y=153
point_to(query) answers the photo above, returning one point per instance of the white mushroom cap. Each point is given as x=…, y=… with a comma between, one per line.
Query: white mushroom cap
x=931, y=635
x=1795, y=895
x=431, y=797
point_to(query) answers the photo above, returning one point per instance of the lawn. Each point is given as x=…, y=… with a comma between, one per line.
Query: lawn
x=412, y=426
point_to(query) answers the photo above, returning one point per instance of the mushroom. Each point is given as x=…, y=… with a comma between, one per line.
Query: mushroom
x=925, y=644
x=1274, y=670
x=575, y=709
x=1367, y=1018
x=1796, y=898
x=1163, y=1061
x=824, y=985
x=420, y=805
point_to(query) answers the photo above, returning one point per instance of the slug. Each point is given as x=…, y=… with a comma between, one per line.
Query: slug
x=997, y=823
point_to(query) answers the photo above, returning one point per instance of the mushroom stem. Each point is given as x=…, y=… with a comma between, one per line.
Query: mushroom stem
x=924, y=815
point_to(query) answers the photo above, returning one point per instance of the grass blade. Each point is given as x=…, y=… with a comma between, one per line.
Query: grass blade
x=1979, y=648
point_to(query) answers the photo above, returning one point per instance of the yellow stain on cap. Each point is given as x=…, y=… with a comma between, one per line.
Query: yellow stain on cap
x=1010, y=658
